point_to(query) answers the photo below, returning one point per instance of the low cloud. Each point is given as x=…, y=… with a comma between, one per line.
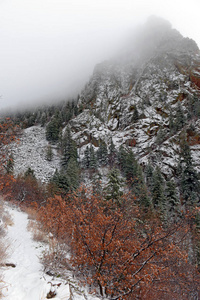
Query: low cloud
x=49, y=48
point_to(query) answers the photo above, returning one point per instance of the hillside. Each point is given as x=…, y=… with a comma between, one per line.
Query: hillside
x=147, y=99
x=115, y=173
x=153, y=84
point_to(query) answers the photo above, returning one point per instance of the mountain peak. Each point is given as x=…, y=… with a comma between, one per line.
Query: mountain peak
x=157, y=35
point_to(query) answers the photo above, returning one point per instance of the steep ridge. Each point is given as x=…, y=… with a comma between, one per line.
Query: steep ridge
x=132, y=98
x=147, y=98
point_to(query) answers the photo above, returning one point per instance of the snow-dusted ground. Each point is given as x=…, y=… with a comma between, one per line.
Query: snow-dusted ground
x=27, y=281
x=31, y=151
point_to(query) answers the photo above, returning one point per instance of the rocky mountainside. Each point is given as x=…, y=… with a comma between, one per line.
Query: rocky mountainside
x=139, y=98
x=147, y=99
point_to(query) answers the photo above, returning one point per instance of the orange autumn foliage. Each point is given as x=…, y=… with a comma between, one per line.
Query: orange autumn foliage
x=7, y=135
x=122, y=256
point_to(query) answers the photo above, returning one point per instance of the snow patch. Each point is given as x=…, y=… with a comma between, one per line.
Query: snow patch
x=31, y=150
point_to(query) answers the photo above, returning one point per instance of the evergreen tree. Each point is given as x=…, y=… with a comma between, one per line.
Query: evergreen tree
x=130, y=168
x=122, y=158
x=102, y=154
x=149, y=176
x=49, y=153
x=114, y=186
x=158, y=198
x=96, y=184
x=58, y=118
x=66, y=180
x=135, y=116
x=43, y=119
x=189, y=180
x=53, y=130
x=86, y=159
x=180, y=117
x=10, y=164
x=172, y=200
x=69, y=149
x=139, y=188
x=68, y=113
x=93, y=159
x=61, y=182
x=193, y=106
x=73, y=174
x=29, y=173
x=134, y=175
x=89, y=159
x=196, y=100
x=31, y=120
x=112, y=153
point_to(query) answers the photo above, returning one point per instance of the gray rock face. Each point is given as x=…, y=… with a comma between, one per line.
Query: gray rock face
x=160, y=70
x=155, y=84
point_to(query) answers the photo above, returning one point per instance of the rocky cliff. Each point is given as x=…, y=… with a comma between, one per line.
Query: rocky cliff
x=133, y=98
x=147, y=98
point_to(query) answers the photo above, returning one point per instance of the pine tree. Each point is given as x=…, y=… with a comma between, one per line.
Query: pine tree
x=196, y=100
x=89, y=159
x=69, y=149
x=10, y=164
x=43, y=119
x=29, y=173
x=96, y=184
x=86, y=159
x=93, y=158
x=134, y=175
x=49, y=153
x=140, y=189
x=158, y=198
x=193, y=106
x=112, y=153
x=189, y=179
x=130, y=168
x=61, y=182
x=135, y=116
x=102, y=154
x=180, y=117
x=58, y=118
x=73, y=174
x=149, y=176
x=172, y=200
x=53, y=130
x=114, y=186
x=121, y=156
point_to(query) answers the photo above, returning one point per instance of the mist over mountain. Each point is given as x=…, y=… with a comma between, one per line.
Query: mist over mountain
x=46, y=68
x=114, y=171
x=134, y=97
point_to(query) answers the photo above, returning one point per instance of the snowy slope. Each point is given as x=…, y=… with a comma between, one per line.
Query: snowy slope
x=27, y=281
x=30, y=151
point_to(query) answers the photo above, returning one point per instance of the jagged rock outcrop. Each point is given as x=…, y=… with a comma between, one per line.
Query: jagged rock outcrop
x=132, y=99
x=161, y=71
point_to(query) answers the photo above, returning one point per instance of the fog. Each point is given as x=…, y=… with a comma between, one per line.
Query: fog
x=50, y=47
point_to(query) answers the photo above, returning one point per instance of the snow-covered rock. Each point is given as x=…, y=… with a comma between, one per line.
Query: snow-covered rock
x=30, y=151
x=157, y=73
x=154, y=82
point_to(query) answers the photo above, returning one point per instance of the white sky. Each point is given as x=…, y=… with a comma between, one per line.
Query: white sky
x=48, y=48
